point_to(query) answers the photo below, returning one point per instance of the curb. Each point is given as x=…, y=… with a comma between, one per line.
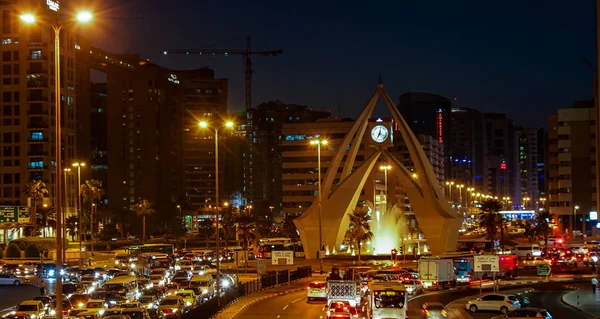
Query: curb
x=562, y=299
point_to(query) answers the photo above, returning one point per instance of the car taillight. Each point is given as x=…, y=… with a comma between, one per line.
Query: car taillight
x=509, y=302
x=426, y=313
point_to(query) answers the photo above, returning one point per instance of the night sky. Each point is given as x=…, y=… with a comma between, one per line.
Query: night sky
x=523, y=58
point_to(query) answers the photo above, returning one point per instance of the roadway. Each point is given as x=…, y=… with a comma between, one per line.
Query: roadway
x=295, y=305
x=12, y=295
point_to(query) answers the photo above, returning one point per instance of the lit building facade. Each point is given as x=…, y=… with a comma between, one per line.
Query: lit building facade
x=468, y=148
x=531, y=165
x=502, y=158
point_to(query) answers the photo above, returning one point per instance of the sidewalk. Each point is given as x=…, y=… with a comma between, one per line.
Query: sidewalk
x=233, y=310
x=584, y=300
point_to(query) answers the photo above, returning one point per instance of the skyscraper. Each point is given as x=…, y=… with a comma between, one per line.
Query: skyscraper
x=531, y=164
x=502, y=161
x=468, y=148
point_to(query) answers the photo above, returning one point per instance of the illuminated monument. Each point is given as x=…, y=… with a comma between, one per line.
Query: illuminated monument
x=439, y=223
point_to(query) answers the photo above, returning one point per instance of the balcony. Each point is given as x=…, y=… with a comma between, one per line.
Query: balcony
x=37, y=44
x=39, y=140
x=38, y=125
x=37, y=58
x=37, y=153
x=37, y=98
x=37, y=83
x=37, y=71
x=37, y=113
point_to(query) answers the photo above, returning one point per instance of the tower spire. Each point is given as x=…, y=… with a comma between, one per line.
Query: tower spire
x=380, y=82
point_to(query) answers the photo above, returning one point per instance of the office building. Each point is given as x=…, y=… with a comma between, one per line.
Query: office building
x=267, y=141
x=571, y=165
x=531, y=165
x=468, y=141
x=429, y=114
x=502, y=158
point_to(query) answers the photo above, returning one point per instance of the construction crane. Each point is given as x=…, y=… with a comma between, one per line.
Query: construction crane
x=246, y=54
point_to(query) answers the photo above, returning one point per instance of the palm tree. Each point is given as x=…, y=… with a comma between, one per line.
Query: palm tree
x=542, y=220
x=361, y=227
x=142, y=209
x=35, y=189
x=92, y=193
x=71, y=226
x=289, y=228
x=491, y=220
x=246, y=233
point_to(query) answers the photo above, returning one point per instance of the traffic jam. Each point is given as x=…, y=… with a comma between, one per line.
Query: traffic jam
x=152, y=283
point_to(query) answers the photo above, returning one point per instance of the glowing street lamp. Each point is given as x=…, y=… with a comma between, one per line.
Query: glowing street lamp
x=385, y=169
x=30, y=18
x=318, y=143
x=228, y=125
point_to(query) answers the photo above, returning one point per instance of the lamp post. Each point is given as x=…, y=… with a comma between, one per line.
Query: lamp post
x=450, y=184
x=79, y=165
x=574, y=220
x=385, y=169
x=180, y=217
x=29, y=18
x=229, y=125
x=67, y=202
x=469, y=194
x=318, y=143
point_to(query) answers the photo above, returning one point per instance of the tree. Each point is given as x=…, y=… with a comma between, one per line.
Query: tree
x=71, y=226
x=35, y=189
x=142, y=209
x=246, y=233
x=491, y=220
x=206, y=228
x=361, y=227
x=542, y=220
x=92, y=193
x=289, y=228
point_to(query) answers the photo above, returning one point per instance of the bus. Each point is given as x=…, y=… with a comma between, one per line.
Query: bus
x=134, y=251
x=126, y=286
x=147, y=262
x=387, y=299
x=264, y=250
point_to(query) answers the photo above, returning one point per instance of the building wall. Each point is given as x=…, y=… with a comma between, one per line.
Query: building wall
x=531, y=164
x=468, y=148
x=502, y=163
x=571, y=168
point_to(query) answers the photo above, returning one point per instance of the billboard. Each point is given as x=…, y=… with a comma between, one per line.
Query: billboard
x=14, y=214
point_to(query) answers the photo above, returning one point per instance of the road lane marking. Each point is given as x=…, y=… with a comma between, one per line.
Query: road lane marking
x=298, y=299
x=284, y=308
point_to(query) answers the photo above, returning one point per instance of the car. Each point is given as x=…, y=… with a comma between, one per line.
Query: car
x=413, y=286
x=148, y=301
x=117, y=316
x=71, y=288
x=74, y=313
x=316, y=290
x=136, y=313
x=79, y=300
x=131, y=304
x=338, y=310
x=189, y=297
x=540, y=313
x=494, y=302
x=172, y=306
x=523, y=300
x=66, y=306
x=532, y=262
x=6, y=279
x=30, y=308
x=96, y=306
x=172, y=288
x=157, y=280
x=433, y=310
x=88, y=315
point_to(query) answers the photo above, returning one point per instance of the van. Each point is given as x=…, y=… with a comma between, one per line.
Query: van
x=523, y=251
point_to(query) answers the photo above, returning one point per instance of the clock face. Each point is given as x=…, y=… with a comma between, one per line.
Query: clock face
x=379, y=133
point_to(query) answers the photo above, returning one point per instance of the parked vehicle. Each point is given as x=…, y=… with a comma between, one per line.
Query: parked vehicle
x=494, y=302
x=6, y=279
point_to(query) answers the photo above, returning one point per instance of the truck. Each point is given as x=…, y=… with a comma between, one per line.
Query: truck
x=463, y=268
x=387, y=299
x=344, y=290
x=436, y=272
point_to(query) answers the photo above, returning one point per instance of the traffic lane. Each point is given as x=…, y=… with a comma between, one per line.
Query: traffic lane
x=12, y=295
x=292, y=305
x=445, y=297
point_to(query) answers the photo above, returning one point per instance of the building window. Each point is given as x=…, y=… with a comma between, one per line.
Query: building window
x=36, y=164
x=6, y=56
x=37, y=136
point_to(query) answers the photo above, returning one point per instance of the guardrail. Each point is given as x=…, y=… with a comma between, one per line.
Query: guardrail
x=231, y=295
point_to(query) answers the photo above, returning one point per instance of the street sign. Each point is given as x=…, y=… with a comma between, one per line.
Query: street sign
x=282, y=257
x=543, y=269
x=487, y=263
x=10, y=214
x=322, y=254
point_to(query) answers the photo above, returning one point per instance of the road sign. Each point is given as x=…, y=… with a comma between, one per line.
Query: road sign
x=322, y=254
x=543, y=269
x=11, y=214
x=487, y=263
x=282, y=257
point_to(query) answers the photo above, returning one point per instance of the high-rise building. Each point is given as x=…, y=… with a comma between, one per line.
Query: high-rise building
x=28, y=102
x=429, y=114
x=502, y=161
x=571, y=164
x=531, y=165
x=98, y=137
x=468, y=148
x=264, y=185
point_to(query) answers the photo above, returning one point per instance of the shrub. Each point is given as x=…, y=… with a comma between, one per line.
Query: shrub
x=48, y=243
x=13, y=251
x=32, y=251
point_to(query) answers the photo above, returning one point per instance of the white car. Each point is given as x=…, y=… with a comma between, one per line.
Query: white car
x=494, y=302
x=316, y=290
x=413, y=286
x=6, y=279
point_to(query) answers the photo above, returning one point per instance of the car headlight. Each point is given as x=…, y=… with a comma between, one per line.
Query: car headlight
x=174, y=309
x=51, y=273
x=225, y=284
x=204, y=291
x=101, y=311
x=132, y=266
x=80, y=305
x=32, y=316
x=187, y=303
x=52, y=312
x=62, y=272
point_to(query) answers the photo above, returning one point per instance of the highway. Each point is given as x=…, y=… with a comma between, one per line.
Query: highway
x=294, y=305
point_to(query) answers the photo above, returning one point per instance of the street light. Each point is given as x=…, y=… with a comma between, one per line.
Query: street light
x=79, y=165
x=385, y=169
x=574, y=219
x=229, y=125
x=450, y=184
x=319, y=142
x=29, y=18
